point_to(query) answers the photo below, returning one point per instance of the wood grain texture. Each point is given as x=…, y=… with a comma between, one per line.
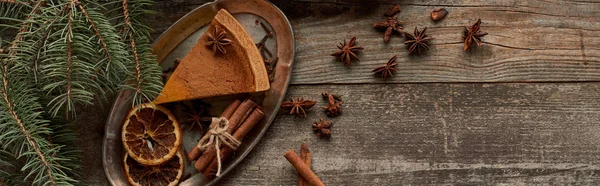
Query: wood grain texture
x=516, y=134
x=528, y=41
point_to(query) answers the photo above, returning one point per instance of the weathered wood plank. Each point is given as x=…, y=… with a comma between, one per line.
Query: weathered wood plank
x=529, y=41
x=440, y=133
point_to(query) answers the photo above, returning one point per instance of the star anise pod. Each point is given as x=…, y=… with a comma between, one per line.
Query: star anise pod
x=333, y=107
x=473, y=34
x=417, y=41
x=388, y=69
x=348, y=51
x=217, y=40
x=166, y=72
x=390, y=25
x=326, y=96
x=196, y=116
x=297, y=106
x=323, y=127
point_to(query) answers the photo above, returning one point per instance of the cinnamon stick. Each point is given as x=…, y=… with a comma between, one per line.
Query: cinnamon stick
x=306, y=158
x=239, y=134
x=236, y=119
x=302, y=168
x=227, y=113
x=240, y=113
x=242, y=121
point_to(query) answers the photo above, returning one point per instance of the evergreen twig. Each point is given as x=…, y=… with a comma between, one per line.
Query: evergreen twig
x=146, y=81
x=19, y=115
x=65, y=53
x=21, y=127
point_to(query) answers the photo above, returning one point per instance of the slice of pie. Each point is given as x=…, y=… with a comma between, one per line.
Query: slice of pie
x=224, y=61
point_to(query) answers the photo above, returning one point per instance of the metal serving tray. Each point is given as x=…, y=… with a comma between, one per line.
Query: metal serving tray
x=174, y=43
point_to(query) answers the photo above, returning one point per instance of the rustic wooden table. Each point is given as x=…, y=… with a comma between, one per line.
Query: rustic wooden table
x=523, y=109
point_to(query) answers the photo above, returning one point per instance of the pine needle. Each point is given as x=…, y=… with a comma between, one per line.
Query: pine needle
x=145, y=80
x=65, y=54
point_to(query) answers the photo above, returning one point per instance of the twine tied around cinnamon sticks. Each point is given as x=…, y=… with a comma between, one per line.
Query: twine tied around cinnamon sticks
x=217, y=135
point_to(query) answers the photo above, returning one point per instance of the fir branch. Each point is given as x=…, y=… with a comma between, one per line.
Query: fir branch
x=12, y=10
x=27, y=43
x=74, y=53
x=138, y=71
x=145, y=80
x=113, y=69
x=9, y=107
x=96, y=31
x=70, y=63
x=114, y=58
x=64, y=136
x=19, y=115
x=12, y=50
x=22, y=127
x=23, y=47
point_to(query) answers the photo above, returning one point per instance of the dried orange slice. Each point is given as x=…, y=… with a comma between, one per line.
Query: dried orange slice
x=167, y=173
x=151, y=134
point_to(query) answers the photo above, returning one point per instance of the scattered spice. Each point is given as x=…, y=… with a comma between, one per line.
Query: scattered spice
x=438, y=14
x=217, y=40
x=393, y=10
x=388, y=69
x=164, y=77
x=390, y=25
x=417, y=41
x=348, y=51
x=266, y=29
x=175, y=65
x=196, y=115
x=170, y=69
x=322, y=127
x=297, y=106
x=335, y=96
x=270, y=65
x=473, y=34
x=333, y=107
x=262, y=48
x=266, y=53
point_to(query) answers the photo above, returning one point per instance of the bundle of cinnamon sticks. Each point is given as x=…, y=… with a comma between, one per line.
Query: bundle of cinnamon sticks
x=242, y=116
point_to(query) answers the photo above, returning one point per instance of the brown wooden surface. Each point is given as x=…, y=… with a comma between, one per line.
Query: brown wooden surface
x=461, y=119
